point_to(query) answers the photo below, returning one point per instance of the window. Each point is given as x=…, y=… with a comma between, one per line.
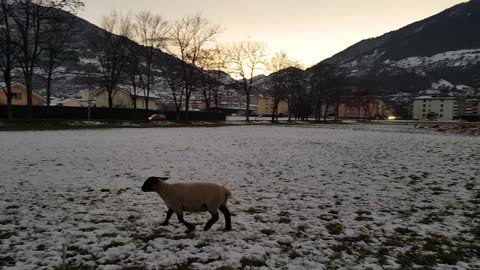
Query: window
x=441, y=105
x=441, y=110
x=424, y=110
x=441, y=115
x=424, y=105
x=423, y=115
x=17, y=96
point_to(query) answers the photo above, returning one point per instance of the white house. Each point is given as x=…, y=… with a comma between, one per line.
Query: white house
x=438, y=108
x=122, y=98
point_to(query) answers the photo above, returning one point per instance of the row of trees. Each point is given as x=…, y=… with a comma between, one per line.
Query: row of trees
x=36, y=35
x=200, y=65
x=29, y=30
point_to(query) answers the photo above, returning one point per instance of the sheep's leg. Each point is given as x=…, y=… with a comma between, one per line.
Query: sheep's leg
x=228, y=221
x=189, y=226
x=212, y=220
x=167, y=218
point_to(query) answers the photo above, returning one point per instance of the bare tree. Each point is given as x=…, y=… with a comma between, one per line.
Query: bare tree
x=277, y=64
x=212, y=63
x=299, y=102
x=321, y=81
x=246, y=58
x=133, y=70
x=188, y=37
x=55, y=50
x=30, y=18
x=151, y=31
x=172, y=75
x=111, y=51
x=9, y=51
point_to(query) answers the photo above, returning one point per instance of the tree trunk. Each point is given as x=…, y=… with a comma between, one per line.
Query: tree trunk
x=110, y=98
x=187, y=106
x=326, y=112
x=248, y=108
x=29, y=97
x=49, y=86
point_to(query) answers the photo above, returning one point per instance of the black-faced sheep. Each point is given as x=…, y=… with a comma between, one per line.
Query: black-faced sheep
x=191, y=197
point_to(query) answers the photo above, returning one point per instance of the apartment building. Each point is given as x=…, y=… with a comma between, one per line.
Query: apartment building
x=438, y=108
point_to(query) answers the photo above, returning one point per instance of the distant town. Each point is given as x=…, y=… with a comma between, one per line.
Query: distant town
x=441, y=108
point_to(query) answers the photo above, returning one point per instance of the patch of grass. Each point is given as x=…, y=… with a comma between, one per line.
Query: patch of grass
x=113, y=244
x=134, y=218
x=394, y=242
x=285, y=245
x=431, y=218
x=7, y=261
x=335, y=228
x=186, y=266
x=7, y=234
x=435, y=243
x=363, y=212
x=6, y=221
x=202, y=244
x=253, y=210
x=294, y=254
x=353, y=239
x=342, y=248
x=261, y=219
x=134, y=267
x=451, y=257
x=252, y=262
x=363, y=218
x=405, y=231
x=109, y=235
x=414, y=256
x=88, y=229
x=469, y=186
x=381, y=255
x=156, y=233
x=267, y=231
x=476, y=232
x=284, y=220
x=225, y=267
x=74, y=251
x=72, y=266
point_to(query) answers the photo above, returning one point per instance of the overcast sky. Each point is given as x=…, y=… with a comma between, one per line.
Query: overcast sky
x=307, y=30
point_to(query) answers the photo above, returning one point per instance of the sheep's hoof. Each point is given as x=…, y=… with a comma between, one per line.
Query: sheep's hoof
x=190, y=230
x=164, y=224
x=228, y=229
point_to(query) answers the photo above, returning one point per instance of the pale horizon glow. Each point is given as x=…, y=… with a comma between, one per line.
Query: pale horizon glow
x=307, y=30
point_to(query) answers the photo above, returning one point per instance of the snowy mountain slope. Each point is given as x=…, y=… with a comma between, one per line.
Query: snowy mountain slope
x=445, y=46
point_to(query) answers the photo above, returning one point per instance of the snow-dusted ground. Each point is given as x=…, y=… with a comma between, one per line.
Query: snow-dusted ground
x=317, y=197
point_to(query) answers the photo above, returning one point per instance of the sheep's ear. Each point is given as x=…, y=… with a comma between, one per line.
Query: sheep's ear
x=163, y=178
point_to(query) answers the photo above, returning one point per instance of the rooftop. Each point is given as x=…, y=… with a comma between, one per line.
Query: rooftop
x=436, y=97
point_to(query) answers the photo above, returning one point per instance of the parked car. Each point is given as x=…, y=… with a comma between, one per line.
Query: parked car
x=157, y=117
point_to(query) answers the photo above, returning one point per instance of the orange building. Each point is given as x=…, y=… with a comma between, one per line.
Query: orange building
x=265, y=106
x=19, y=95
x=361, y=107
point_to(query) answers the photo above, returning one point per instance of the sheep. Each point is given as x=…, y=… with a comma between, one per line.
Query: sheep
x=191, y=197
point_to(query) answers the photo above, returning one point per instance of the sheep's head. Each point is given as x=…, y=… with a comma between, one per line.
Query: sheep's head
x=151, y=184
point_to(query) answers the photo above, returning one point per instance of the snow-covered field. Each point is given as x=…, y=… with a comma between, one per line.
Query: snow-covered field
x=316, y=197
